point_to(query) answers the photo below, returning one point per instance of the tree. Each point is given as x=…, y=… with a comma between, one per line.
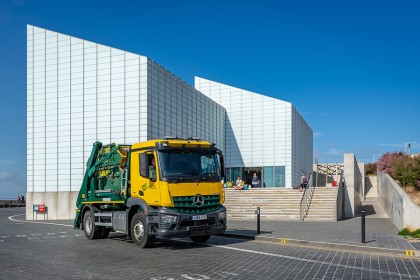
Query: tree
x=388, y=161
x=405, y=171
x=401, y=167
x=371, y=168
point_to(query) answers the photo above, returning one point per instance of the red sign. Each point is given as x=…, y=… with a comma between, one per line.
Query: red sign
x=41, y=208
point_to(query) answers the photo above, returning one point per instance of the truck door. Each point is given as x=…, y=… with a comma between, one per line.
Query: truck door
x=145, y=183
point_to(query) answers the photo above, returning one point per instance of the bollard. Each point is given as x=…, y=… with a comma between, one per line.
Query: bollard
x=363, y=226
x=258, y=220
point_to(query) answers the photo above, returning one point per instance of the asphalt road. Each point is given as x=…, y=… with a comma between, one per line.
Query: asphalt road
x=54, y=250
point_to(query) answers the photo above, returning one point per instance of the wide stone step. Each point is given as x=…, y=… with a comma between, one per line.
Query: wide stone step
x=263, y=195
x=279, y=204
x=263, y=198
x=310, y=219
x=265, y=217
x=261, y=203
x=230, y=211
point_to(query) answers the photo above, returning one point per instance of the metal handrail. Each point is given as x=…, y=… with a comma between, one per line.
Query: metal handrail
x=306, y=199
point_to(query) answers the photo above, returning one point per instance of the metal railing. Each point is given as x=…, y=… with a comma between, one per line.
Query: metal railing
x=306, y=200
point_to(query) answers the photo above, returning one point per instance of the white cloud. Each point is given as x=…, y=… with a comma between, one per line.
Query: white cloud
x=391, y=145
x=332, y=152
x=6, y=176
x=6, y=162
x=323, y=114
x=12, y=184
x=318, y=134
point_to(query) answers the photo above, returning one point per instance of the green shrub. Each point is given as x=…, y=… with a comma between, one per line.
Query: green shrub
x=416, y=233
x=404, y=232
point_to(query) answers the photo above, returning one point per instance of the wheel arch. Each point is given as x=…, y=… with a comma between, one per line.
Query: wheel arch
x=84, y=209
x=135, y=205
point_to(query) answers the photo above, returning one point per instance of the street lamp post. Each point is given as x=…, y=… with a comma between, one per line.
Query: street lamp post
x=408, y=144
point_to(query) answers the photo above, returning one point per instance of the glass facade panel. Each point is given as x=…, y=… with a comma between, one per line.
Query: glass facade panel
x=268, y=177
x=279, y=176
x=274, y=176
x=235, y=173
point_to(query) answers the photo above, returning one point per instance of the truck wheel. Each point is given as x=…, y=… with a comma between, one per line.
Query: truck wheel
x=200, y=239
x=91, y=231
x=105, y=232
x=139, y=232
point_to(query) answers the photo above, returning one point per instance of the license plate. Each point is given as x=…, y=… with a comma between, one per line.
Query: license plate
x=199, y=217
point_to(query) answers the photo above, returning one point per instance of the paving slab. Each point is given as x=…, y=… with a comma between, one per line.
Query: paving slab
x=381, y=234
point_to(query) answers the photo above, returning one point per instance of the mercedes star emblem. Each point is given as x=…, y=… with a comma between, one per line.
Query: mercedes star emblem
x=198, y=200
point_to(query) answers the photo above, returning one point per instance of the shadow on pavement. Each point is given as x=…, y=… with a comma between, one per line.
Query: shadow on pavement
x=176, y=243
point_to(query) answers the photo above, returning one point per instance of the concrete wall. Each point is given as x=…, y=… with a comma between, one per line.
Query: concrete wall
x=354, y=182
x=340, y=199
x=397, y=204
x=60, y=205
x=371, y=186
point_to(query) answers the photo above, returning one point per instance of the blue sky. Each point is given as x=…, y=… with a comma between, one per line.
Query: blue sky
x=352, y=68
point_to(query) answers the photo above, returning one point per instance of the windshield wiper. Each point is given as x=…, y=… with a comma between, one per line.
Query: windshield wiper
x=205, y=176
x=176, y=180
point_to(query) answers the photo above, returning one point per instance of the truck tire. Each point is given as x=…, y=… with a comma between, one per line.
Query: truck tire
x=200, y=239
x=105, y=232
x=139, y=231
x=91, y=231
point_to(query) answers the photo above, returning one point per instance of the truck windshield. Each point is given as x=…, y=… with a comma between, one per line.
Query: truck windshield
x=193, y=166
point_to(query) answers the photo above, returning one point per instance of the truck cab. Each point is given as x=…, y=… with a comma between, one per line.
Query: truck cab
x=159, y=188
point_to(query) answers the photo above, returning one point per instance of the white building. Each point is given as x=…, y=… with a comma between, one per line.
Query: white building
x=263, y=134
x=79, y=92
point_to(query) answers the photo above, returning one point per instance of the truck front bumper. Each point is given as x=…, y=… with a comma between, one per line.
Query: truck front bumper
x=186, y=225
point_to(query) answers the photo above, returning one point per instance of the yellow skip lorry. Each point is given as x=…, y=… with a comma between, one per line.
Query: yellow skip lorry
x=170, y=187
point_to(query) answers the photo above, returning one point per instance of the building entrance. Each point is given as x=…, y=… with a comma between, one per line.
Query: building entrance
x=248, y=173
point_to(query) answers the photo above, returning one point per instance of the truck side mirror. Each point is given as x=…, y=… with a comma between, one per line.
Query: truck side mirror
x=144, y=165
x=222, y=166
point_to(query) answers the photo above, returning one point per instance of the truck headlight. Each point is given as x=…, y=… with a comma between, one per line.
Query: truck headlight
x=222, y=215
x=170, y=219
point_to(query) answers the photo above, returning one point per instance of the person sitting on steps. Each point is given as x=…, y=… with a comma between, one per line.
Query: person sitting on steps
x=239, y=186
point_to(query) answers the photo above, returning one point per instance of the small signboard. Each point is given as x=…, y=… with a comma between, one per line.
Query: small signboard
x=39, y=208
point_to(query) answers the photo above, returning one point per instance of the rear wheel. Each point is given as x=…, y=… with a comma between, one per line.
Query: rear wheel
x=105, y=232
x=91, y=231
x=200, y=239
x=139, y=232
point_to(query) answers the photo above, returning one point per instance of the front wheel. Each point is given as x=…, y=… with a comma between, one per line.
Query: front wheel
x=91, y=231
x=139, y=232
x=200, y=239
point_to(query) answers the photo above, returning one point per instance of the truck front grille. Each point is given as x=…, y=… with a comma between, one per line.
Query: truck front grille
x=185, y=204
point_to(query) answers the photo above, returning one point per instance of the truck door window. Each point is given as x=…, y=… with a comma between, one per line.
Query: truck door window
x=148, y=165
x=152, y=167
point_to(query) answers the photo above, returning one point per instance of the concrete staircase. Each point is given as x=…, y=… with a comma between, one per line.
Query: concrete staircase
x=275, y=204
x=323, y=205
x=279, y=204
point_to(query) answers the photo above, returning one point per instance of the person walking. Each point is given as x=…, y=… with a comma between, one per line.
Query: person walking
x=255, y=181
x=18, y=201
x=303, y=183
